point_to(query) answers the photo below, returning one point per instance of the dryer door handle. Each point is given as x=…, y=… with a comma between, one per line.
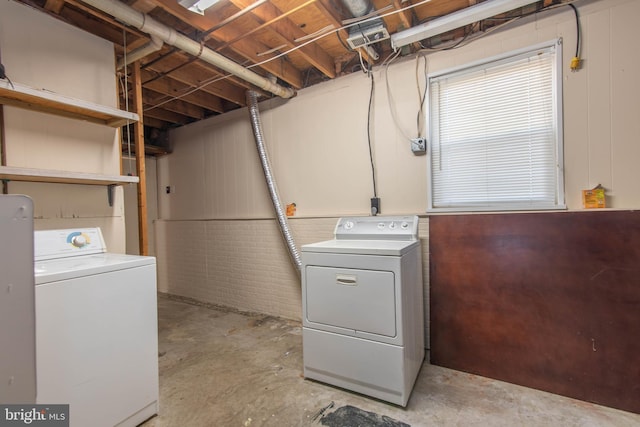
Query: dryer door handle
x=347, y=279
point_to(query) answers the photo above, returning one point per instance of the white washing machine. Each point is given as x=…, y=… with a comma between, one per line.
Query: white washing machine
x=96, y=329
x=363, y=327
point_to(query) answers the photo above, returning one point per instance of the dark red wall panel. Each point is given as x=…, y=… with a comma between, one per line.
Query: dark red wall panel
x=545, y=300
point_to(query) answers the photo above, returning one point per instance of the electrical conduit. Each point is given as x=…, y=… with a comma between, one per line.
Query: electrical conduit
x=170, y=36
x=252, y=103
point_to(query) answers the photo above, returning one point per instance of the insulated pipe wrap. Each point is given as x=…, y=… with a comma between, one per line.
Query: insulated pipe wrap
x=153, y=46
x=252, y=103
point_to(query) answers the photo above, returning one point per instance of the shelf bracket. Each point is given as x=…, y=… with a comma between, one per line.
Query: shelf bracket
x=110, y=189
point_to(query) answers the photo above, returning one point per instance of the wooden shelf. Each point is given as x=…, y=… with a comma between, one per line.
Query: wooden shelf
x=63, y=177
x=26, y=97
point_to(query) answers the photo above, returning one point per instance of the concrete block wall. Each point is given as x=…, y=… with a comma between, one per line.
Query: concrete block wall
x=244, y=264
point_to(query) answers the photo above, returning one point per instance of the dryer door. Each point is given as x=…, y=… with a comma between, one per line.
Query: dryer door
x=359, y=300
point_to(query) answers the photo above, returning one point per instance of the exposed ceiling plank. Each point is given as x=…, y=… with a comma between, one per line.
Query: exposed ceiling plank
x=403, y=15
x=54, y=6
x=229, y=80
x=152, y=98
x=155, y=123
x=167, y=116
x=246, y=48
x=172, y=88
x=144, y=6
x=195, y=74
x=277, y=21
x=190, y=77
x=226, y=21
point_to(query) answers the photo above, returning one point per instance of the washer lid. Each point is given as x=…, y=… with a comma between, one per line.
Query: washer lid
x=53, y=270
x=362, y=247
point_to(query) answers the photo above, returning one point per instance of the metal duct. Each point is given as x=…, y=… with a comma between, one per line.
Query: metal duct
x=170, y=36
x=358, y=8
x=252, y=103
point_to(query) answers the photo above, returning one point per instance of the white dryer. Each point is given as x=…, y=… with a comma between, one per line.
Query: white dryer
x=96, y=329
x=363, y=325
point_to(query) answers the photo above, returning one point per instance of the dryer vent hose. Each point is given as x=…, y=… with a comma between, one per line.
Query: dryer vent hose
x=252, y=103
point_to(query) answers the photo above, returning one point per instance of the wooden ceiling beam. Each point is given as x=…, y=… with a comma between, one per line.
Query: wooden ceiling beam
x=403, y=16
x=230, y=19
x=144, y=6
x=188, y=78
x=152, y=98
x=278, y=23
x=195, y=74
x=246, y=48
x=54, y=6
x=167, y=116
x=172, y=88
x=154, y=123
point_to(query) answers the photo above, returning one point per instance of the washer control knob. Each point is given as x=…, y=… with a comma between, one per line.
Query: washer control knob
x=348, y=225
x=392, y=226
x=404, y=225
x=381, y=225
x=79, y=241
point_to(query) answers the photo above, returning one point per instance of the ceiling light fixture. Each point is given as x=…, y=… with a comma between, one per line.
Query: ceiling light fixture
x=454, y=20
x=197, y=6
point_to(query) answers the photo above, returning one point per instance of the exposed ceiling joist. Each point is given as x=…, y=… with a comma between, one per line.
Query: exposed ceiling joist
x=305, y=37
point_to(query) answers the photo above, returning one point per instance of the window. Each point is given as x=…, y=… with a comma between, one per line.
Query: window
x=496, y=133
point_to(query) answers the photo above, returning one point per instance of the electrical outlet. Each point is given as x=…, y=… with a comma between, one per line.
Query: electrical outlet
x=375, y=206
x=419, y=146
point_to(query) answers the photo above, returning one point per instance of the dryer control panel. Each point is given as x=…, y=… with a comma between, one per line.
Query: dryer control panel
x=377, y=228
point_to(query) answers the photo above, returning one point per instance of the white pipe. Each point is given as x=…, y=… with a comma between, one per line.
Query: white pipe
x=153, y=46
x=170, y=36
x=252, y=103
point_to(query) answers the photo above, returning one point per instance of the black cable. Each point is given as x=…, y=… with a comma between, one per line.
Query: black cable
x=342, y=42
x=575, y=10
x=3, y=75
x=422, y=97
x=373, y=168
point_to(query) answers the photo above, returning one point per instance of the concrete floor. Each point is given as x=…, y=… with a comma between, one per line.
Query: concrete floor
x=221, y=368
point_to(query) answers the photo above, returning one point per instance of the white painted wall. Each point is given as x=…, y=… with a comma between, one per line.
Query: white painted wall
x=318, y=140
x=46, y=53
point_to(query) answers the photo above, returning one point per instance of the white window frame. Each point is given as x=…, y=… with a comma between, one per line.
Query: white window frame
x=553, y=46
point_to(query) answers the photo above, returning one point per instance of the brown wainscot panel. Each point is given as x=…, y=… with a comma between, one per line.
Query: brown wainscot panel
x=545, y=300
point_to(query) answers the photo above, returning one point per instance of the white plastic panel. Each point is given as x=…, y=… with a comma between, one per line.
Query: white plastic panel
x=66, y=243
x=372, y=368
x=359, y=300
x=377, y=228
x=96, y=341
x=17, y=307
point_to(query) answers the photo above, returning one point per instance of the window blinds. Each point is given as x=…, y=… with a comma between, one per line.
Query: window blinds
x=495, y=136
